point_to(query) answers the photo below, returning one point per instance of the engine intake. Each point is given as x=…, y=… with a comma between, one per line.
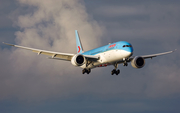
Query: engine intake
x=138, y=62
x=78, y=60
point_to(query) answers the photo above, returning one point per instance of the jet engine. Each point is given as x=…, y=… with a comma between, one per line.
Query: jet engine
x=138, y=62
x=78, y=60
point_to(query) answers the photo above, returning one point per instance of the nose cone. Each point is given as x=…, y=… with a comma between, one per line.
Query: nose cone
x=129, y=51
x=126, y=46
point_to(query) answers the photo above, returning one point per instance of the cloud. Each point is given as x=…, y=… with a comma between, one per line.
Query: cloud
x=48, y=25
x=142, y=20
x=165, y=80
x=116, y=11
x=6, y=29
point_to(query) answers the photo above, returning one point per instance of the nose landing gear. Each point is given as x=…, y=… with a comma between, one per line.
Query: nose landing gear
x=125, y=64
x=125, y=61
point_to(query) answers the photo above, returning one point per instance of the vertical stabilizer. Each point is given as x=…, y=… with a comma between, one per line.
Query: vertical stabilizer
x=78, y=43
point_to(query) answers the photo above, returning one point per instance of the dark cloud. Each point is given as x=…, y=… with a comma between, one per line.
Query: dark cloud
x=6, y=29
x=134, y=18
x=28, y=81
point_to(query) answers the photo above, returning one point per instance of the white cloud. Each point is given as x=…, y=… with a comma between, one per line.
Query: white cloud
x=50, y=25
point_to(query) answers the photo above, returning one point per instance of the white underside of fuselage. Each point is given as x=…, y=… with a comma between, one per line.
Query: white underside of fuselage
x=109, y=58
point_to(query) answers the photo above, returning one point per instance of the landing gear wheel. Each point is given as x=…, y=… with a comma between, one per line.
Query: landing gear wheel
x=89, y=70
x=117, y=72
x=114, y=71
x=83, y=71
x=125, y=64
x=86, y=71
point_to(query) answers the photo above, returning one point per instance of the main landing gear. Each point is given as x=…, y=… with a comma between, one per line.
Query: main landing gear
x=86, y=71
x=114, y=71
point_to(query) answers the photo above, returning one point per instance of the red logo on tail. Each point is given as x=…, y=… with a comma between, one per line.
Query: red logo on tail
x=79, y=49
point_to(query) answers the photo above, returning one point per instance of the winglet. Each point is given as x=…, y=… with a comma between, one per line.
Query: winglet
x=78, y=43
x=8, y=44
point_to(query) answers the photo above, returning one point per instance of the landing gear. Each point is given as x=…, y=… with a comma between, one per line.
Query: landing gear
x=86, y=71
x=114, y=71
x=125, y=64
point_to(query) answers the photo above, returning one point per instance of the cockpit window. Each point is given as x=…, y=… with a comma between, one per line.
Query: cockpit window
x=127, y=46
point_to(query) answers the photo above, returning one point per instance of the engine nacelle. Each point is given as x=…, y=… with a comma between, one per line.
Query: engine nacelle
x=78, y=60
x=138, y=62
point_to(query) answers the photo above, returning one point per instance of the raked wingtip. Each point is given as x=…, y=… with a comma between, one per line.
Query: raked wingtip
x=8, y=44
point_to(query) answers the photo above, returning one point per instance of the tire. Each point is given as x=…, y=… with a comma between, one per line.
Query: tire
x=83, y=71
x=117, y=72
x=112, y=73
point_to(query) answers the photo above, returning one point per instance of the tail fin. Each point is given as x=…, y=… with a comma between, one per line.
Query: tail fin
x=78, y=43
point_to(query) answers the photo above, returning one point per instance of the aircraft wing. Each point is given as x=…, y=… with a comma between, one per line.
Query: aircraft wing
x=54, y=55
x=148, y=56
x=155, y=55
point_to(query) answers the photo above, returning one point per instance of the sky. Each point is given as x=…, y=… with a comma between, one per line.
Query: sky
x=31, y=83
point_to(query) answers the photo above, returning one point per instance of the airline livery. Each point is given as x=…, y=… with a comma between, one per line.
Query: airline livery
x=113, y=54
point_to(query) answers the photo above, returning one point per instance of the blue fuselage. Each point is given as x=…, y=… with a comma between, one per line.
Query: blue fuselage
x=121, y=45
x=110, y=54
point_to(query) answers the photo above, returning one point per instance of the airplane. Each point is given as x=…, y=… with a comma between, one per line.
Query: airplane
x=112, y=54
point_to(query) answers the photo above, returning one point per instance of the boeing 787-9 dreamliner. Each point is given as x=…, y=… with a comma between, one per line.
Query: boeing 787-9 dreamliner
x=112, y=54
